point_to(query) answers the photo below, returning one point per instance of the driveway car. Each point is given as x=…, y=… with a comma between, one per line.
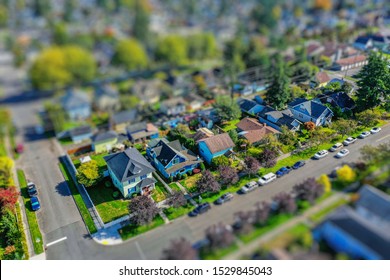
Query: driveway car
x=31, y=189
x=267, y=178
x=200, y=209
x=349, y=141
x=298, y=164
x=342, y=153
x=35, y=205
x=375, y=130
x=336, y=147
x=224, y=198
x=321, y=154
x=283, y=171
x=364, y=134
x=249, y=187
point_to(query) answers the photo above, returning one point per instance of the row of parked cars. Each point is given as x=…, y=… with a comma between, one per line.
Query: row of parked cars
x=33, y=194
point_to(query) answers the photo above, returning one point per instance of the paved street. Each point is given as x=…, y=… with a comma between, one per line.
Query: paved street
x=59, y=217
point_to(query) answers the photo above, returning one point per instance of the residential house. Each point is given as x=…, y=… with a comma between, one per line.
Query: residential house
x=202, y=133
x=130, y=172
x=80, y=134
x=254, y=131
x=310, y=111
x=277, y=119
x=148, y=91
x=173, y=106
x=141, y=131
x=250, y=107
x=106, y=98
x=350, y=62
x=348, y=232
x=171, y=158
x=207, y=117
x=215, y=146
x=76, y=104
x=363, y=43
x=321, y=79
x=338, y=99
x=248, y=88
x=121, y=120
x=104, y=141
x=194, y=101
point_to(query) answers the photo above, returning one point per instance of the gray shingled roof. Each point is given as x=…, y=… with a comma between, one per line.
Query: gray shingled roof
x=104, y=136
x=246, y=104
x=136, y=127
x=74, y=99
x=128, y=164
x=81, y=130
x=166, y=151
x=309, y=107
x=125, y=116
x=375, y=201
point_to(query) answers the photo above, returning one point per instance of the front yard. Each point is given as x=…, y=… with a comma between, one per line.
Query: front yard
x=130, y=231
x=159, y=193
x=173, y=213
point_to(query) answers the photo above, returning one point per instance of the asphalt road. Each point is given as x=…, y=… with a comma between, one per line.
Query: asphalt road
x=59, y=217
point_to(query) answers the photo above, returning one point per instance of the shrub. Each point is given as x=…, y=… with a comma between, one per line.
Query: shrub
x=184, y=176
x=115, y=194
x=189, y=173
x=202, y=167
x=108, y=184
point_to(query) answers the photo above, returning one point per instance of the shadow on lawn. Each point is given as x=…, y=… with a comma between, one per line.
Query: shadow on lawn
x=102, y=194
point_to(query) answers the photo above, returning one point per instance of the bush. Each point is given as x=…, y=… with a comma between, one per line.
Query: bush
x=189, y=173
x=171, y=179
x=115, y=194
x=108, y=184
x=184, y=176
x=202, y=167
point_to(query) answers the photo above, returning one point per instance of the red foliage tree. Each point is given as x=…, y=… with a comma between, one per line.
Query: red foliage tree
x=207, y=183
x=145, y=209
x=180, y=249
x=227, y=175
x=252, y=165
x=9, y=197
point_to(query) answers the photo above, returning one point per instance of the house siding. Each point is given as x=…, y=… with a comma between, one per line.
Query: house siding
x=80, y=113
x=103, y=146
x=207, y=155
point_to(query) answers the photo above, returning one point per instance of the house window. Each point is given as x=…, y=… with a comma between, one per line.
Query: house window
x=132, y=181
x=176, y=161
x=144, y=177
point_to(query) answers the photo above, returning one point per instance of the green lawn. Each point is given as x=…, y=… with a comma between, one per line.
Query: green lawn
x=108, y=207
x=230, y=125
x=35, y=232
x=272, y=223
x=317, y=217
x=159, y=193
x=99, y=159
x=21, y=230
x=173, y=213
x=130, y=231
x=287, y=237
x=175, y=187
x=79, y=200
x=190, y=182
x=218, y=254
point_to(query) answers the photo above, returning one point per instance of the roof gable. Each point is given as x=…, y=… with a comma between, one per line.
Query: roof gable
x=218, y=143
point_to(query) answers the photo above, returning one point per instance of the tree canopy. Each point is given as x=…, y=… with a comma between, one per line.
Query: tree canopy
x=172, y=49
x=227, y=108
x=88, y=173
x=130, y=54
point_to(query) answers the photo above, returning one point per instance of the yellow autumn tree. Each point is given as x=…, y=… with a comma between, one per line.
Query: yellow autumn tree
x=324, y=180
x=5, y=172
x=88, y=173
x=325, y=5
x=346, y=174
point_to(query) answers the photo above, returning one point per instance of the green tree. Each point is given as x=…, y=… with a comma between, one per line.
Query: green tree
x=279, y=93
x=227, y=108
x=69, y=8
x=202, y=46
x=41, y=8
x=3, y=16
x=5, y=171
x=373, y=82
x=141, y=21
x=88, y=173
x=265, y=14
x=60, y=34
x=344, y=127
x=256, y=54
x=233, y=54
x=56, y=115
x=368, y=118
x=130, y=54
x=172, y=49
x=128, y=101
x=287, y=137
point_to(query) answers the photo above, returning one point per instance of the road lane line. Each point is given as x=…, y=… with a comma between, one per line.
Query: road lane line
x=380, y=139
x=56, y=241
x=140, y=251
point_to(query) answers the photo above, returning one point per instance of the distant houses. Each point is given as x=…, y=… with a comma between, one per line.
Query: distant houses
x=350, y=62
x=173, y=106
x=254, y=131
x=76, y=104
x=121, y=120
x=104, y=141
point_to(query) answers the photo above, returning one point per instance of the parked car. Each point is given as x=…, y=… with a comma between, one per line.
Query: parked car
x=249, y=187
x=375, y=130
x=267, y=178
x=200, y=209
x=35, y=205
x=342, y=153
x=31, y=189
x=298, y=164
x=336, y=147
x=224, y=198
x=321, y=154
x=283, y=171
x=349, y=141
x=364, y=134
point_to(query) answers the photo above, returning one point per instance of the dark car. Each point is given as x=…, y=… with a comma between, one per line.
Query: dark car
x=32, y=190
x=283, y=171
x=224, y=198
x=35, y=205
x=200, y=209
x=298, y=164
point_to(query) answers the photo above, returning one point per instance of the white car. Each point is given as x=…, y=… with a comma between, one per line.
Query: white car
x=342, y=153
x=375, y=130
x=336, y=147
x=364, y=134
x=267, y=178
x=321, y=154
x=349, y=141
x=249, y=187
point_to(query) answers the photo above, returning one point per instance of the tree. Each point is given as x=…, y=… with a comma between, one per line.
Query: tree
x=373, y=82
x=69, y=8
x=226, y=108
x=56, y=115
x=309, y=190
x=243, y=222
x=141, y=21
x=252, y=165
x=268, y=158
x=310, y=126
x=368, y=118
x=88, y=173
x=177, y=199
x=279, y=93
x=144, y=210
x=130, y=54
x=285, y=203
x=233, y=135
x=219, y=236
x=8, y=197
x=180, y=249
x=256, y=55
x=233, y=54
x=5, y=171
x=172, y=49
x=128, y=101
x=325, y=182
x=344, y=127
x=207, y=183
x=378, y=154
x=227, y=175
x=202, y=46
x=325, y=5
x=287, y=137
x=265, y=14
x=3, y=16
x=261, y=213
x=346, y=174
x=220, y=161
x=41, y=8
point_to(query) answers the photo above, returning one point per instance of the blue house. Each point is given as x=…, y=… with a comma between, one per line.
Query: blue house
x=76, y=104
x=250, y=107
x=277, y=119
x=310, y=111
x=171, y=158
x=130, y=172
x=215, y=146
x=345, y=231
x=207, y=118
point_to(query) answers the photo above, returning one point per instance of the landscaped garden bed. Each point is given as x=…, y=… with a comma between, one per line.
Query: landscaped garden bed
x=159, y=193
